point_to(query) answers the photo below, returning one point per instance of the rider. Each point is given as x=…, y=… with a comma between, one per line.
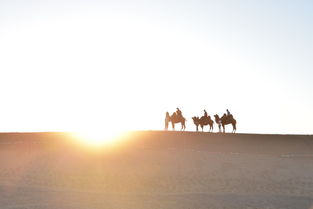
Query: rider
x=178, y=112
x=205, y=114
x=228, y=113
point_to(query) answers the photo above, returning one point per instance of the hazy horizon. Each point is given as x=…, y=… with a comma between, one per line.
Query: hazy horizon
x=95, y=65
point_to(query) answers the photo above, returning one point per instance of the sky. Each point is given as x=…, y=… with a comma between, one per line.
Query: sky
x=120, y=65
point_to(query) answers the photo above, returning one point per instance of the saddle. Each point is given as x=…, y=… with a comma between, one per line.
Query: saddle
x=176, y=117
x=203, y=118
x=227, y=117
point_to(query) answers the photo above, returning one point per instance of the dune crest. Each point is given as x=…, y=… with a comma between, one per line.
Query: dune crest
x=157, y=169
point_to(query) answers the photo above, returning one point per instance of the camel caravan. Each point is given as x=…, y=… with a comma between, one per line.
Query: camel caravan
x=177, y=117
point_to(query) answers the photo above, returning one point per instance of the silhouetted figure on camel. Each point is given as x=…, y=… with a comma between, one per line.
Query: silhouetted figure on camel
x=203, y=121
x=178, y=112
x=205, y=113
x=225, y=120
x=177, y=117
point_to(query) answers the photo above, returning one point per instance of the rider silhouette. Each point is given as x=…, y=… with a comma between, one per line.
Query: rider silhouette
x=228, y=113
x=205, y=114
x=178, y=112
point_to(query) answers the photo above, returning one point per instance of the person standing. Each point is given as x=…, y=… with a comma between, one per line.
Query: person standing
x=167, y=120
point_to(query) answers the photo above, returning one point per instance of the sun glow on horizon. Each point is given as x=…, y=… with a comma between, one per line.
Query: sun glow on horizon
x=97, y=137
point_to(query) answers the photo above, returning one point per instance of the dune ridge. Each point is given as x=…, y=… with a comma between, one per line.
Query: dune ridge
x=157, y=169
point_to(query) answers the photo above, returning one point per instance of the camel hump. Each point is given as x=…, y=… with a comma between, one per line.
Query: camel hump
x=230, y=118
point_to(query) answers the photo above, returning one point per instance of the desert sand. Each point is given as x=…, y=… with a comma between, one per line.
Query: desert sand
x=157, y=170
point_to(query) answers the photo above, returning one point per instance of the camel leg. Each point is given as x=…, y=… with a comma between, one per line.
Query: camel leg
x=234, y=128
x=197, y=128
x=202, y=127
x=173, y=126
x=223, y=128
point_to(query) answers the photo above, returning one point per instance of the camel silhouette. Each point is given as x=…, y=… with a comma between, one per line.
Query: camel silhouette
x=225, y=120
x=174, y=118
x=203, y=121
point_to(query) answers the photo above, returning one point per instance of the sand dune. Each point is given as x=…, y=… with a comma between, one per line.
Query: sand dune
x=156, y=169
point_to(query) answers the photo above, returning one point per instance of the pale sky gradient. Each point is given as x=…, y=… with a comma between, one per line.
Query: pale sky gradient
x=70, y=65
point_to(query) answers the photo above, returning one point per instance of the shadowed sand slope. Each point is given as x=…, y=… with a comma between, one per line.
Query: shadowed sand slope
x=156, y=169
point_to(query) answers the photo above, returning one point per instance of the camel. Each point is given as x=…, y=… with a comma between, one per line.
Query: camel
x=203, y=121
x=174, y=118
x=225, y=120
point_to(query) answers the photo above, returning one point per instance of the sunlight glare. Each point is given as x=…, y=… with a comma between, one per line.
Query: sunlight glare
x=99, y=137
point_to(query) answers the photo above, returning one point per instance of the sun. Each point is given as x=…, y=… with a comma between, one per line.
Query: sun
x=98, y=137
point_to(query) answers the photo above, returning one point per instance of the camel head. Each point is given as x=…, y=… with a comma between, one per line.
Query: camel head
x=195, y=119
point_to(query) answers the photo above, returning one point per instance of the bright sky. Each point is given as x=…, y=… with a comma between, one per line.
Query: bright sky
x=83, y=65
